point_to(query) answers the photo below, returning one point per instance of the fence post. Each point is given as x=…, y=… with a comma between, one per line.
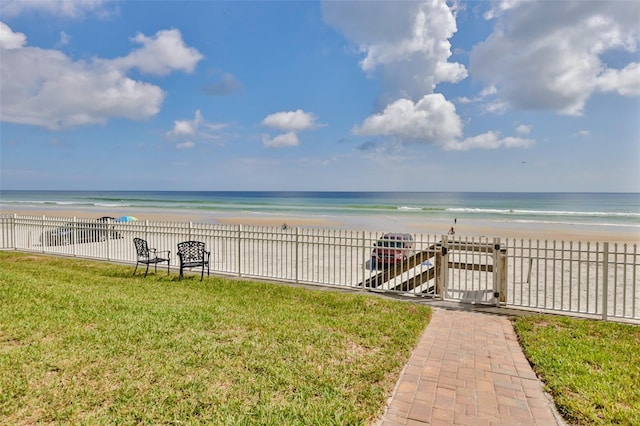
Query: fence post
x=445, y=266
x=605, y=281
x=42, y=242
x=442, y=268
x=108, y=239
x=496, y=271
x=14, y=232
x=364, y=259
x=75, y=237
x=239, y=248
x=297, y=256
x=502, y=286
x=438, y=275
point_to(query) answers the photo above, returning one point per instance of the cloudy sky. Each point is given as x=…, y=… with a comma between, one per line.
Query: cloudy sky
x=303, y=95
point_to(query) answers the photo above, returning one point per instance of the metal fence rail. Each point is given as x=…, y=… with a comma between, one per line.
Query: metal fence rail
x=597, y=279
x=593, y=279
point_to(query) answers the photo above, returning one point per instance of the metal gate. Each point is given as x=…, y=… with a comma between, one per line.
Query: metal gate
x=474, y=271
x=471, y=271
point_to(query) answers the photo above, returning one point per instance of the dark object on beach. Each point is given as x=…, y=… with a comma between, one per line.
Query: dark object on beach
x=149, y=256
x=192, y=254
x=75, y=232
x=391, y=249
x=106, y=219
x=113, y=234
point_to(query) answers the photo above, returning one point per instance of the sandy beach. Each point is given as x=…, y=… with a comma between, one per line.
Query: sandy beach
x=488, y=229
x=549, y=267
x=178, y=216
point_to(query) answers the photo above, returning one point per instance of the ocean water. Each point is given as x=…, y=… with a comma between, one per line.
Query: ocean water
x=589, y=209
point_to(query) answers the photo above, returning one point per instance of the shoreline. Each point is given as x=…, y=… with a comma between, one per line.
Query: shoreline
x=468, y=228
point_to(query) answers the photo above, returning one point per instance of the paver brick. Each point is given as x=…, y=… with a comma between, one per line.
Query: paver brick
x=468, y=370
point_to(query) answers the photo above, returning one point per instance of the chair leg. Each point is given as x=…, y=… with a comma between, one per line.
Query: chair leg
x=145, y=272
x=134, y=271
x=168, y=263
x=202, y=273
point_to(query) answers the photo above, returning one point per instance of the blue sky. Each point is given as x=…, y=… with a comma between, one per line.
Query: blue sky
x=305, y=95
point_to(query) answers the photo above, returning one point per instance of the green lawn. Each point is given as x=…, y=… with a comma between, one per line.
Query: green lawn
x=591, y=368
x=84, y=342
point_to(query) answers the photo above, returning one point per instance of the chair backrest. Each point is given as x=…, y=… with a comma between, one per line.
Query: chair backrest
x=142, y=248
x=191, y=251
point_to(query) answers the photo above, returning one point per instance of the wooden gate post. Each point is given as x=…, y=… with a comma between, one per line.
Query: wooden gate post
x=499, y=273
x=496, y=270
x=442, y=264
x=438, y=275
x=502, y=284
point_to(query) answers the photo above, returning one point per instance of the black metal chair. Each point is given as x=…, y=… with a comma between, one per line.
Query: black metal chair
x=192, y=254
x=149, y=256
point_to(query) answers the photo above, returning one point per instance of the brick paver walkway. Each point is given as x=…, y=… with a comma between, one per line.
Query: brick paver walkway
x=468, y=369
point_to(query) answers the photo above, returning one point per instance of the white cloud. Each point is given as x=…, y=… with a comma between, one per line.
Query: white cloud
x=186, y=145
x=433, y=119
x=186, y=127
x=488, y=91
x=197, y=128
x=161, y=54
x=489, y=140
x=182, y=128
x=496, y=107
x=9, y=39
x=290, y=121
x=285, y=139
x=523, y=129
x=625, y=81
x=64, y=8
x=498, y=8
x=557, y=52
x=64, y=39
x=407, y=41
x=44, y=87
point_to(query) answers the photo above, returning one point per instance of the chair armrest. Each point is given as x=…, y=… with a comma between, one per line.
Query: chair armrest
x=155, y=252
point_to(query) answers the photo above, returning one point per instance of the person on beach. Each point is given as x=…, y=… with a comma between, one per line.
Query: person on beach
x=451, y=231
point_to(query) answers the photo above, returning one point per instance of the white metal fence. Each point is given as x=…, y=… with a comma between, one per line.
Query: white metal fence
x=599, y=280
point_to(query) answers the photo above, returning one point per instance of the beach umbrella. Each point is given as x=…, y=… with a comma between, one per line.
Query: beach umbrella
x=126, y=219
